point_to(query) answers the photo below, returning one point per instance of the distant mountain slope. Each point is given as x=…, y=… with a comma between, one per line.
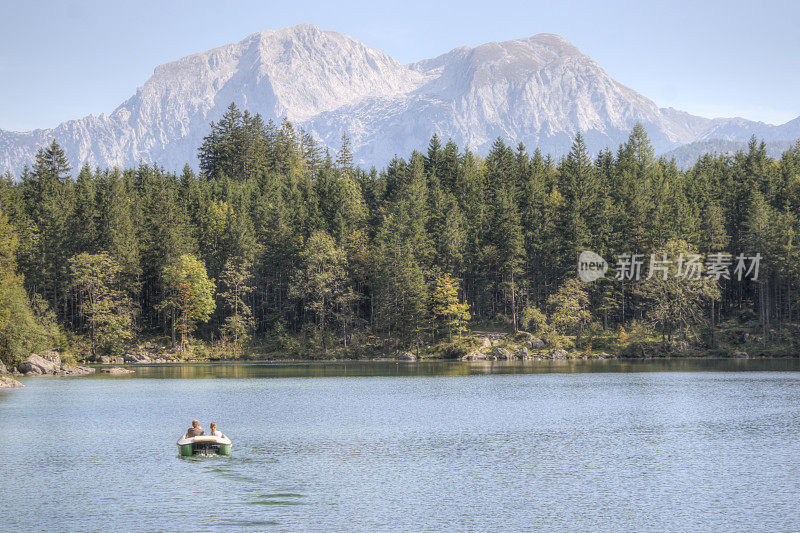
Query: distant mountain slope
x=687, y=155
x=540, y=91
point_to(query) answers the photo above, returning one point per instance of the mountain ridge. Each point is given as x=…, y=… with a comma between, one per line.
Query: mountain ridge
x=538, y=90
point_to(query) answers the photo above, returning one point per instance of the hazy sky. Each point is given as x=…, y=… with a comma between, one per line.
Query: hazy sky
x=62, y=60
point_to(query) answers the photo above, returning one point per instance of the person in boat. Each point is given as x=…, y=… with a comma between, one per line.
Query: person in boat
x=195, y=430
x=214, y=431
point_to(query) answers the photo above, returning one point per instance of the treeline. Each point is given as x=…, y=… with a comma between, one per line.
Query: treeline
x=278, y=240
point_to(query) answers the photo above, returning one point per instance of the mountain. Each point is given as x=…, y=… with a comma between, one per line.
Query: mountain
x=686, y=155
x=540, y=91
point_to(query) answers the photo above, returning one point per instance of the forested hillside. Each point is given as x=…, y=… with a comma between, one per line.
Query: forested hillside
x=281, y=246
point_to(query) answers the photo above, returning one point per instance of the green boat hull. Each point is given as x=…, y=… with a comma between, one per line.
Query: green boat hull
x=189, y=450
x=217, y=444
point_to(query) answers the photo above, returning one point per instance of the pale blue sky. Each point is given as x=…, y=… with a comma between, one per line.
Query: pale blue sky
x=65, y=59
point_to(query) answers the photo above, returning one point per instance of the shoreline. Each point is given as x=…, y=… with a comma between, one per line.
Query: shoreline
x=481, y=346
x=477, y=346
x=297, y=360
x=10, y=380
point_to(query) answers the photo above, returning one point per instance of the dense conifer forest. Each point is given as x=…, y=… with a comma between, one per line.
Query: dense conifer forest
x=280, y=246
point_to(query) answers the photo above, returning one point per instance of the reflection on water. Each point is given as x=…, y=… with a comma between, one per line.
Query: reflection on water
x=577, y=445
x=445, y=368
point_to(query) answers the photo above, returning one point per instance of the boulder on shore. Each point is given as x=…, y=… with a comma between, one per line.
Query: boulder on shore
x=36, y=364
x=53, y=356
x=501, y=353
x=559, y=354
x=50, y=363
x=535, y=344
x=136, y=358
x=740, y=355
x=522, y=353
x=7, y=382
x=68, y=370
x=117, y=370
x=475, y=355
x=406, y=356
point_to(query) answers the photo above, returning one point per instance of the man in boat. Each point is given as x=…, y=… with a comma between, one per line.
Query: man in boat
x=195, y=430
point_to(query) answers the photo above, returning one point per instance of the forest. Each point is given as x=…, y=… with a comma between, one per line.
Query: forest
x=278, y=246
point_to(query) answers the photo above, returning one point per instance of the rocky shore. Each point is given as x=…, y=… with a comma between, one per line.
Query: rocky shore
x=116, y=370
x=498, y=347
x=146, y=353
x=488, y=346
x=49, y=363
x=6, y=381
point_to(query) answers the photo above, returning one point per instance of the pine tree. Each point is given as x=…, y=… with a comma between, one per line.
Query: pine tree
x=84, y=220
x=235, y=281
x=222, y=151
x=401, y=293
x=344, y=158
x=754, y=236
x=449, y=314
x=578, y=185
x=117, y=229
x=434, y=160
x=49, y=195
x=506, y=251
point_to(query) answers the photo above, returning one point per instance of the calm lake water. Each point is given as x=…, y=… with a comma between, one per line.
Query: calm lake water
x=608, y=445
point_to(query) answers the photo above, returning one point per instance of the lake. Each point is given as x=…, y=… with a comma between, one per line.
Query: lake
x=586, y=445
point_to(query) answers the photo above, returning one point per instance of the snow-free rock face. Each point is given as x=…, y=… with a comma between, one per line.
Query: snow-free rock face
x=540, y=91
x=296, y=72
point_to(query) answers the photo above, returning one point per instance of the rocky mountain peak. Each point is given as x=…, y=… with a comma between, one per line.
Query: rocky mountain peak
x=539, y=90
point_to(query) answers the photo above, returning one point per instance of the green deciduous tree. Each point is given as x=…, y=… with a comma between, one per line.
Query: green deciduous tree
x=20, y=331
x=106, y=309
x=675, y=305
x=321, y=281
x=189, y=295
x=570, y=308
